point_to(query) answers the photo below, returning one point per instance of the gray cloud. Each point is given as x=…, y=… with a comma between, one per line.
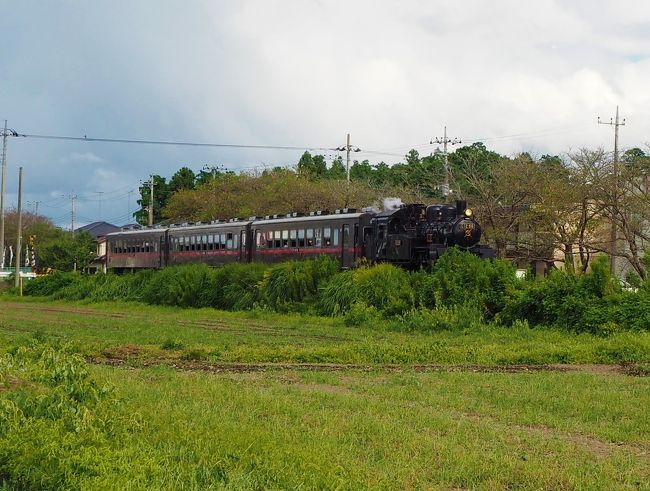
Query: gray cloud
x=294, y=72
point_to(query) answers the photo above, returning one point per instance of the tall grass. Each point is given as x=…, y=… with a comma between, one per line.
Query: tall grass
x=460, y=286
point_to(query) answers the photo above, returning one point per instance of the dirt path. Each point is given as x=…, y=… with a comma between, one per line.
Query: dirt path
x=234, y=367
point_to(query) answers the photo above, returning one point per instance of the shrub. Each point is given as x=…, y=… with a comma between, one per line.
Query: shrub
x=47, y=285
x=338, y=295
x=462, y=278
x=385, y=287
x=182, y=286
x=236, y=286
x=289, y=286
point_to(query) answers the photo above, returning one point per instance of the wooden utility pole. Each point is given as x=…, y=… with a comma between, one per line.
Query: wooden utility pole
x=19, y=230
x=613, y=237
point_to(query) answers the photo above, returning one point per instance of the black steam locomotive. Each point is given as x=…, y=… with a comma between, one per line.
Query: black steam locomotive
x=410, y=236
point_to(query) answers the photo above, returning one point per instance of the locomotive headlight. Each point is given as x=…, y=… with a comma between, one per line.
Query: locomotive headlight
x=468, y=212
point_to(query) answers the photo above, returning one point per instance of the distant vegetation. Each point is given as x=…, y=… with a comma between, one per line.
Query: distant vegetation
x=531, y=208
x=460, y=290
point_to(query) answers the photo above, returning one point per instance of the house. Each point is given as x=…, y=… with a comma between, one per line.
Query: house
x=98, y=231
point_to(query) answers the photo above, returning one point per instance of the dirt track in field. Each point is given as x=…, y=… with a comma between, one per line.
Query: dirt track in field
x=132, y=357
x=127, y=361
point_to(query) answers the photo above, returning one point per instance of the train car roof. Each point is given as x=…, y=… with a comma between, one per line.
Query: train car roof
x=309, y=218
x=205, y=226
x=138, y=231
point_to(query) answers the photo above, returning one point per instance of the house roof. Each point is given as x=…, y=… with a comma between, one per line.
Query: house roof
x=98, y=229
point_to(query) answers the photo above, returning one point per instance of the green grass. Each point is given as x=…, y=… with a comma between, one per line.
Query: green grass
x=378, y=428
x=261, y=336
x=288, y=430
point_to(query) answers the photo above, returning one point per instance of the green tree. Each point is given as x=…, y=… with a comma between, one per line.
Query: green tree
x=161, y=195
x=184, y=178
x=63, y=251
x=337, y=170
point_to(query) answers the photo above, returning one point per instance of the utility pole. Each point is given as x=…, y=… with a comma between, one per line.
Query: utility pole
x=444, y=140
x=35, y=205
x=5, y=133
x=613, y=250
x=128, y=204
x=72, y=198
x=19, y=230
x=151, y=184
x=348, y=148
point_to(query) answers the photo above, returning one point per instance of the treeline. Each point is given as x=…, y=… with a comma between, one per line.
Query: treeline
x=546, y=208
x=461, y=291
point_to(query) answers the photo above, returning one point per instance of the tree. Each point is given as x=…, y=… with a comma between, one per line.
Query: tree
x=161, y=195
x=184, y=178
x=64, y=252
x=337, y=170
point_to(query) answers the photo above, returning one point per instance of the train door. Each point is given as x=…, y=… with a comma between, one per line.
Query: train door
x=346, y=258
x=243, y=243
x=162, y=251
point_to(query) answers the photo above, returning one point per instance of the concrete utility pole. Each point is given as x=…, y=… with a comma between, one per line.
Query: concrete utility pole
x=35, y=205
x=348, y=148
x=72, y=198
x=444, y=140
x=613, y=237
x=19, y=229
x=5, y=133
x=151, y=184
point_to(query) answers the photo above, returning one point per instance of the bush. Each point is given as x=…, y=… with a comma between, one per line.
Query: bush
x=462, y=278
x=44, y=286
x=338, y=295
x=182, y=286
x=237, y=286
x=291, y=285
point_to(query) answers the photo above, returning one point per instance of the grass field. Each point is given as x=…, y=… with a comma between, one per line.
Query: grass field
x=265, y=401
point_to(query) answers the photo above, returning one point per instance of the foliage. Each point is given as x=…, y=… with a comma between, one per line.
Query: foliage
x=59, y=428
x=63, y=252
x=461, y=278
x=292, y=285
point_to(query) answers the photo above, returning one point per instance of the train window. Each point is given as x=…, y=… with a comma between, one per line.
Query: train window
x=258, y=239
x=204, y=243
x=335, y=237
x=310, y=237
x=277, y=239
x=301, y=238
x=382, y=232
x=346, y=236
x=318, y=241
x=243, y=239
x=235, y=242
x=229, y=244
x=222, y=241
x=292, y=239
x=285, y=238
x=327, y=236
x=269, y=239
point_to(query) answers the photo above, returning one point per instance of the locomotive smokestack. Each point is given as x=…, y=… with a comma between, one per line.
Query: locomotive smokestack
x=461, y=206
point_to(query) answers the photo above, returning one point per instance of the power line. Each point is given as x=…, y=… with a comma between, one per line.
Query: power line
x=85, y=138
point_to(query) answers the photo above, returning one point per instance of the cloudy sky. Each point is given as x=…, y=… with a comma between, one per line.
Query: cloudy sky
x=520, y=76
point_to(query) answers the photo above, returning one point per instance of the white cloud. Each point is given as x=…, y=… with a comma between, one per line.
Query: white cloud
x=81, y=158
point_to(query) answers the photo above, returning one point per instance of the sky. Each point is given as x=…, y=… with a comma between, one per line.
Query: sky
x=519, y=76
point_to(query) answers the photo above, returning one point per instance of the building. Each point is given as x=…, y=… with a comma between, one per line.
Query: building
x=98, y=231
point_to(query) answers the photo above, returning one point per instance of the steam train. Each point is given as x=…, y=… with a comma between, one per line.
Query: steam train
x=411, y=236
